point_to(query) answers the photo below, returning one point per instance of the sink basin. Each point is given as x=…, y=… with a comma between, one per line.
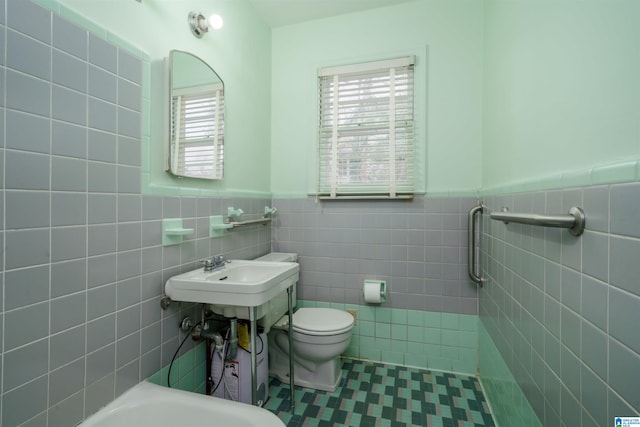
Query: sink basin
x=242, y=283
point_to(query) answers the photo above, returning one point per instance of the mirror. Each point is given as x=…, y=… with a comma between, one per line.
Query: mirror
x=196, y=117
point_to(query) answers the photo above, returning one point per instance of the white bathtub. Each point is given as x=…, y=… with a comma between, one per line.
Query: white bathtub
x=150, y=405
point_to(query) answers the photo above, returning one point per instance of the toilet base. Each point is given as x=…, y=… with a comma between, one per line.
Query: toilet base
x=325, y=376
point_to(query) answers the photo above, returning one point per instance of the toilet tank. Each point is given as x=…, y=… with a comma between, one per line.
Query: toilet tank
x=279, y=305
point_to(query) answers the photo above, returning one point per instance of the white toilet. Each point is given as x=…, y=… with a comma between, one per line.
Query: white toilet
x=320, y=336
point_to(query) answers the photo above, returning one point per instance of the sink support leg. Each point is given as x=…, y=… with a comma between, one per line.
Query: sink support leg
x=291, y=375
x=254, y=372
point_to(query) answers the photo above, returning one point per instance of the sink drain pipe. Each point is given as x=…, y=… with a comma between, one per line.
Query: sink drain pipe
x=233, y=339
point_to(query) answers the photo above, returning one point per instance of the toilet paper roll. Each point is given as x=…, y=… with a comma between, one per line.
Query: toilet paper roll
x=375, y=291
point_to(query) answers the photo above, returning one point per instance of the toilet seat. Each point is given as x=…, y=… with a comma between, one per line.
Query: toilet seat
x=318, y=321
x=322, y=321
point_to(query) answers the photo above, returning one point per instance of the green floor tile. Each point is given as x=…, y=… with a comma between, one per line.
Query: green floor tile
x=374, y=394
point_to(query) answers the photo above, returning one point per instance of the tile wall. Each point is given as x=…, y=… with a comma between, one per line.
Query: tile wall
x=83, y=267
x=561, y=309
x=418, y=247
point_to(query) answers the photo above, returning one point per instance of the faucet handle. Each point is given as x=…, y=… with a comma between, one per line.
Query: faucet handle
x=220, y=259
x=207, y=262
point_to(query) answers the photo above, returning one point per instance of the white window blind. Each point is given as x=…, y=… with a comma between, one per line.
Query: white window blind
x=366, y=129
x=197, y=134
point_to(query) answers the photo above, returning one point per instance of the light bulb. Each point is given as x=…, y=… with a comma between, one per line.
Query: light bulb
x=215, y=21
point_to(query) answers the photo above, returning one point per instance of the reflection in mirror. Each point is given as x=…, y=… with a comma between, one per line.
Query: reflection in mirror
x=196, y=141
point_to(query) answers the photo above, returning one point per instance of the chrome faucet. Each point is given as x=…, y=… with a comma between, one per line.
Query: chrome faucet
x=214, y=263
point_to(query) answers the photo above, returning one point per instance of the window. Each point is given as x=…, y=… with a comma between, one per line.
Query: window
x=366, y=129
x=197, y=134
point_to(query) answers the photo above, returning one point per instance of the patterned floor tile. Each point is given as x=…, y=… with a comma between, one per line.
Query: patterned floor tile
x=377, y=395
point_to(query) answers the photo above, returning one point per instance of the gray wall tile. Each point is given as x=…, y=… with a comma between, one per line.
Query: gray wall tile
x=68, y=105
x=625, y=209
x=68, y=312
x=68, y=243
x=66, y=381
x=101, y=270
x=596, y=203
x=621, y=305
x=102, y=115
x=129, y=208
x=30, y=19
x=129, y=67
x=624, y=370
x=102, y=177
x=129, y=151
x=623, y=263
x=129, y=236
x=68, y=277
x=101, y=363
x=102, y=208
x=595, y=255
x=99, y=394
x=129, y=180
x=102, y=146
x=26, y=247
x=103, y=54
x=129, y=123
x=36, y=64
x=27, y=209
x=594, y=302
x=14, y=410
x=69, y=71
x=128, y=293
x=102, y=84
x=28, y=94
x=102, y=239
x=69, y=37
x=26, y=171
x=69, y=412
x=68, y=140
x=34, y=321
x=25, y=287
x=67, y=346
x=101, y=301
x=68, y=209
x=128, y=264
x=25, y=364
x=27, y=132
x=129, y=95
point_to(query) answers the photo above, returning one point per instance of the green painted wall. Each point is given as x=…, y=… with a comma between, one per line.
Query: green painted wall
x=240, y=53
x=445, y=37
x=561, y=90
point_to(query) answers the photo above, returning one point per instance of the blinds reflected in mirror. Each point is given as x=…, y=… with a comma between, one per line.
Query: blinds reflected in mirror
x=197, y=134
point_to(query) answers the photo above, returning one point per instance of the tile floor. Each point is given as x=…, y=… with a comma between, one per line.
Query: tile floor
x=375, y=394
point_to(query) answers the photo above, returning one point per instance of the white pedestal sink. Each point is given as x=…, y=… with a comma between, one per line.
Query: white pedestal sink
x=241, y=287
x=241, y=283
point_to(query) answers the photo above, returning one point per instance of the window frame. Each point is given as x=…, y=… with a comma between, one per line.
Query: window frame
x=370, y=75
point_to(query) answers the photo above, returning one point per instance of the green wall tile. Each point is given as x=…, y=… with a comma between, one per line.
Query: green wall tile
x=399, y=332
x=432, y=336
x=399, y=316
x=383, y=314
x=415, y=333
x=415, y=317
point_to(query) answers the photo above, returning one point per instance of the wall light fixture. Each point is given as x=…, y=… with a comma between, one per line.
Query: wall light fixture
x=200, y=25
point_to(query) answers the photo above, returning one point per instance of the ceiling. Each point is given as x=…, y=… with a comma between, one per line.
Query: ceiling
x=277, y=13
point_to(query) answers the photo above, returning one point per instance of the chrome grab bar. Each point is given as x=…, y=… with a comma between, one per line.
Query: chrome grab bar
x=471, y=244
x=574, y=221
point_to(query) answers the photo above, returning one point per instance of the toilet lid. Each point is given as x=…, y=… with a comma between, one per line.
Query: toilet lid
x=322, y=321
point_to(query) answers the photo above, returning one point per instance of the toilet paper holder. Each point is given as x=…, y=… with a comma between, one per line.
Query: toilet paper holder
x=374, y=291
